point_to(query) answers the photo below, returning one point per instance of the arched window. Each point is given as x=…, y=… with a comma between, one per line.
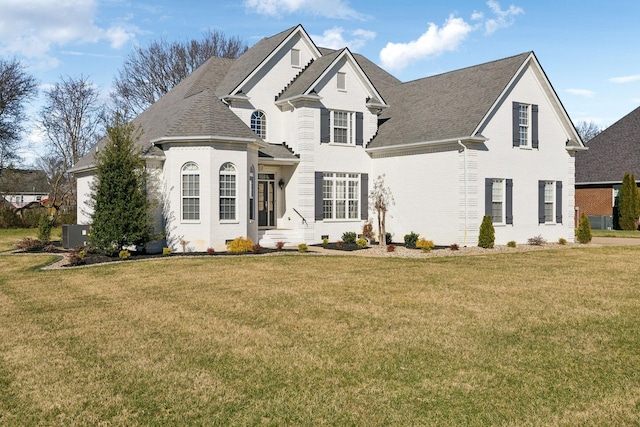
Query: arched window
x=252, y=195
x=190, y=192
x=228, y=192
x=259, y=123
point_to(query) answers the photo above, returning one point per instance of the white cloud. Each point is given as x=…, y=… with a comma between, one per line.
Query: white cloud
x=581, y=92
x=502, y=18
x=32, y=28
x=333, y=38
x=434, y=42
x=625, y=79
x=339, y=9
x=437, y=40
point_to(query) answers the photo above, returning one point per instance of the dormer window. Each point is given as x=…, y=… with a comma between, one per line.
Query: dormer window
x=342, y=81
x=295, y=58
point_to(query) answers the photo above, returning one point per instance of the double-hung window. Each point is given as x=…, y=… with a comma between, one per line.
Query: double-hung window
x=523, y=125
x=342, y=127
x=190, y=192
x=549, y=200
x=340, y=195
x=497, y=201
x=259, y=123
x=228, y=192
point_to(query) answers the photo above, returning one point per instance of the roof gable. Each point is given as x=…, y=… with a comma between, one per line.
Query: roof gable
x=612, y=152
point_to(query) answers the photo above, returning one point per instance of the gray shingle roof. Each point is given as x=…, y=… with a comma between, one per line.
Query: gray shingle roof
x=611, y=153
x=277, y=152
x=250, y=60
x=309, y=75
x=27, y=181
x=445, y=106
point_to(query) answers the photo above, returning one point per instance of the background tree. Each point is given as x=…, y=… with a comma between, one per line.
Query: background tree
x=121, y=209
x=150, y=72
x=629, y=203
x=17, y=88
x=587, y=130
x=72, y=120
x=381, y=199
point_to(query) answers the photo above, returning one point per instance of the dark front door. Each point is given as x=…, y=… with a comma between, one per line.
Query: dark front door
x=266, y=200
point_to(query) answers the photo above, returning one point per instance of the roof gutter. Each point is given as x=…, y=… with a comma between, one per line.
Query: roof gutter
x=426, y=144
x=297, y=98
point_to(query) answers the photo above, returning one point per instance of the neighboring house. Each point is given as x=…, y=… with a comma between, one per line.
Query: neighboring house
x=285, y=143
x=19, y=187
x=599, y=171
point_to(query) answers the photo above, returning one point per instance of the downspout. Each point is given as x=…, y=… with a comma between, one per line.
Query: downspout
x=466, y=216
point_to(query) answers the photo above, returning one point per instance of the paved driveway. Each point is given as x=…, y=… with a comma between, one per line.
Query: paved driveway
x=616, y=241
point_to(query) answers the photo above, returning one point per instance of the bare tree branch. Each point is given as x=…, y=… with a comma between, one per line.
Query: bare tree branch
x=587, y=130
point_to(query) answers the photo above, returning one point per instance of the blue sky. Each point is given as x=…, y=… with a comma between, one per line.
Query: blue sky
x=588, y=48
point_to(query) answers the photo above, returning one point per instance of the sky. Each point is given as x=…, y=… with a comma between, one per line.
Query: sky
x=588, y=48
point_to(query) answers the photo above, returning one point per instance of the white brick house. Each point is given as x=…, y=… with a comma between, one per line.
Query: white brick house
x=284, y=143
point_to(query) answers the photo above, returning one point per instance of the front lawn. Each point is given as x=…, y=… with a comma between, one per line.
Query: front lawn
x=616, y=233
x=536, y=338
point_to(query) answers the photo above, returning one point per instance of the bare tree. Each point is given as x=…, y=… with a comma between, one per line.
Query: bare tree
x=381, y=200
x=16, y=89
x=587, y=130
x=150, y=72
x=72, y=119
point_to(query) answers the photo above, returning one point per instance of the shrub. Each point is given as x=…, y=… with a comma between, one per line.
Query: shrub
x=349, y=237
x=256, y=249
x=411, y=239
x=9, y=218
x=339, y=244
x=454, y=247
x=362, y=243
x=302, y=248
x=29, y=244
x=44, y=228
x=425, y=245
x=76, y=257
x=562, y=241
x=367, y=231
x=537, y=241
x=240, y=245
x=166, y=251
x=279, y=245
x=487, y=236
x=325, y=241
x=211, y=251
x=511, y=243
x=387, y=238
x=583, y=234
x=124, y=254
x=391, y=247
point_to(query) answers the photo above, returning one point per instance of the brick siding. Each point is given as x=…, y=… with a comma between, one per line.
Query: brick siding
x=594, y=201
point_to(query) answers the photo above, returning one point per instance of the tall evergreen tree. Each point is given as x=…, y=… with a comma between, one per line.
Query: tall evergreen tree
x=121, y=208
x=629, y=203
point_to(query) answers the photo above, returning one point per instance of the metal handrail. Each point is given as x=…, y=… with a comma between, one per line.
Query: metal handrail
x=304, y=221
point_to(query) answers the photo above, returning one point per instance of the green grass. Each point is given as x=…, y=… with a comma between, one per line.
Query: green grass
x=615, y=233
x=8, y=237
x=544, y=338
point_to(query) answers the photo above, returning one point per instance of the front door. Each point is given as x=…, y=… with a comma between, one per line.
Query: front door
x=266, y=200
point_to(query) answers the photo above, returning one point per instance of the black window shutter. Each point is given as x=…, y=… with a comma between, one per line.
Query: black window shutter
x=516, y=124
x=509, y=202
x=559, y=202
x=540, y=202
x=488, y=196
x=325, y=130
x=359, y=136
x=364, y=196
x=318, y=196
x=534, y=126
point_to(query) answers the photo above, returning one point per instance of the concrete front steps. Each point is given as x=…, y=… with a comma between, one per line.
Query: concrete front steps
x=269, y=238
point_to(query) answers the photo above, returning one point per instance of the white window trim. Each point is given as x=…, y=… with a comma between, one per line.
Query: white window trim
x=502, y=182
x=351, y=128
x=552, y=218
x=348, y=177
x=527, y=142
x=260, y=118
x=183, y=173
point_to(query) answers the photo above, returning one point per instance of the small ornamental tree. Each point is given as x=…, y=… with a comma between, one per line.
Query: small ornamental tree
x=121, y=209
x=487, y=236
x=628, y=203
x=381, y=199
x=583, y=234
